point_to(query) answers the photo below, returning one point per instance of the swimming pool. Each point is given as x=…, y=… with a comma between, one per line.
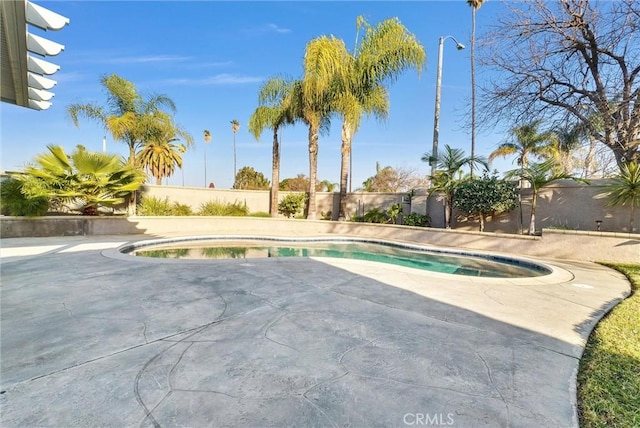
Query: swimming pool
x=418, y=257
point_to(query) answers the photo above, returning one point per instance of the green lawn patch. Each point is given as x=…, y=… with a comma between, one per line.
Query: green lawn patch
x=609, y=373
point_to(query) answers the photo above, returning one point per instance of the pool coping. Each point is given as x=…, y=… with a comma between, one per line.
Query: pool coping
x=555, y=274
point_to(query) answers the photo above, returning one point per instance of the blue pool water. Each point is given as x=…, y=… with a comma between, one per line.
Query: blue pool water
x=444, y=261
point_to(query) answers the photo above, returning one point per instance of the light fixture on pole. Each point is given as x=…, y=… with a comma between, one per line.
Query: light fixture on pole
x=436, y=120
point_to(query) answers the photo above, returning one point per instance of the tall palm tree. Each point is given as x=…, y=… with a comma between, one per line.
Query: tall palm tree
x=90, y=179
x=475, y=5
x=539, y=175
x=528, y=141
x=310, y=103
x=355, y=81
x=625, y=188
x=160, y=156
x=449, y=163
x=273, y=112
x=235, y=126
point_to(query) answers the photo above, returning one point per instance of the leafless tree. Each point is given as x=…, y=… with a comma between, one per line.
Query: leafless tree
x=398, y=179
x=565, y=60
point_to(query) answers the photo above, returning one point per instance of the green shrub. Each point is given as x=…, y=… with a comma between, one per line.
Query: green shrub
x=326, y=215
x=417, y=219
x=356, y=218
x=376, y=215
x=14, y=202
x=394, y=212
x=292, y=204
x=152, y=206
x=217, y=208
x=259, y=214
x=181, y=209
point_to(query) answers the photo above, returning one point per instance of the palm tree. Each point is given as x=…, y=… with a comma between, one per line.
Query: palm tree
x=566, y=142
x=625, y=188
x=127, y=116
x=310, y=103
x=160, y=157
x=449, y=163
x=355, y=81
x=273, y=112
x=235, y=126
x=528, y=141
x=475, y=5
x=91, y=179
x=326, y=186
x=539, y=175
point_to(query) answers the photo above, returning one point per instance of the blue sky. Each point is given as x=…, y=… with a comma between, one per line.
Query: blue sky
x=211, y=57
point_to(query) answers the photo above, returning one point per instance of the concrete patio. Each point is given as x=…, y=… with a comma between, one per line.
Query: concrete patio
x=93, y=338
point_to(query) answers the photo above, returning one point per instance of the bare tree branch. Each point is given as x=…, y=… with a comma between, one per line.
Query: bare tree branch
x=568, y=60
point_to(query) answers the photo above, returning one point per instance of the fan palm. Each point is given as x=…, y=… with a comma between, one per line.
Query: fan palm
x=90, y=179
x=273, y=112
x=539, y=175
x=625, y=188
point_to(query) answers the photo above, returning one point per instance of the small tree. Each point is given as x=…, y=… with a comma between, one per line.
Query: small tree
x=539, y=175
x=292, y=204
x=484, y=196
x=625, y=188
x=448, y=174
x=250, y=179
x=300, y=183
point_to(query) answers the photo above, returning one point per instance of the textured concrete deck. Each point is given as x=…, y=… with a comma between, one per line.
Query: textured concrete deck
x=88, y=339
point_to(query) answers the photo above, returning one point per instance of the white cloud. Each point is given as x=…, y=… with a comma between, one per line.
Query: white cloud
x=218, y=79
x=275, y=28
x=267, y=28
x=146, y=59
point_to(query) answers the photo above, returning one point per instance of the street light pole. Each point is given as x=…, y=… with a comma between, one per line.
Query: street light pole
x=436, y=119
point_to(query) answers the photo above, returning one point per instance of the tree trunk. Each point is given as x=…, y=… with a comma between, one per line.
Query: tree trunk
x=275, y=175
x=131, y=207
x=235, y=165
x=473, y=88
x=447, y=212
x=532, y=222
x=313, y=172
x=482, y=221
x=344, y=168
x=588, y=160
x=158, y=181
